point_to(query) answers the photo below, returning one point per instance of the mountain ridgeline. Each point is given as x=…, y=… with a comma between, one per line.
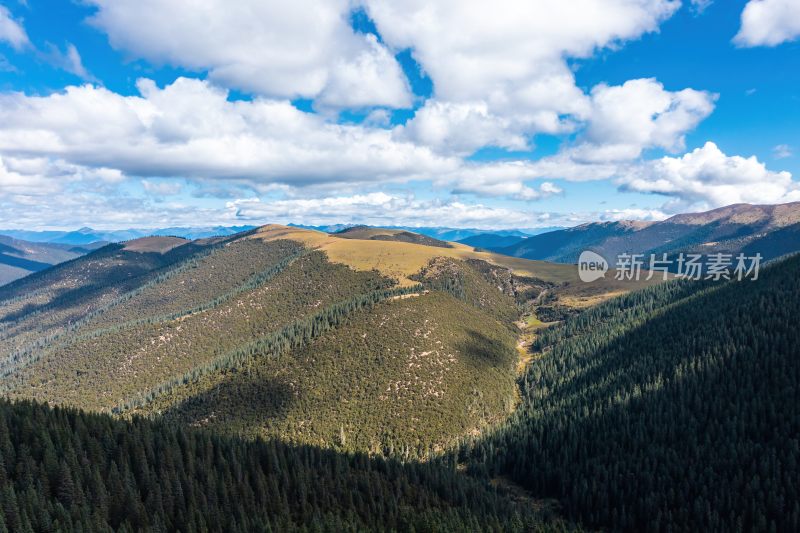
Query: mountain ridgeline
x=284, y=379
x=771, y=230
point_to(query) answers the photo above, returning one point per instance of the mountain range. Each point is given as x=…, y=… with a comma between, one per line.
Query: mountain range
x=87, y=235
x=19, y=258
x=283, y=378
x=771, y=230
x=441, y=233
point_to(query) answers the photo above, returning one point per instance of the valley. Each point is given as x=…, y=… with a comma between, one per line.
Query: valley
x=488, y=370
x=427, y=266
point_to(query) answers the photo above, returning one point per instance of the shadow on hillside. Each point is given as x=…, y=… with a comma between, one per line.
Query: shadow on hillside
x=242, y=402
x=686, y=399
x=480, y=349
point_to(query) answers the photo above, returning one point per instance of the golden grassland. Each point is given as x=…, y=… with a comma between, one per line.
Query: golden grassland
x=400, y=260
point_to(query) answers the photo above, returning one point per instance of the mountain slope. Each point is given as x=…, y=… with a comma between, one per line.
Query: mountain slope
x=673, y=408
x=730, y=229
x=68, y=471
x=48, y=303
x=380, y=234
x=361, y=344
x=566, y=245
x=19, y=258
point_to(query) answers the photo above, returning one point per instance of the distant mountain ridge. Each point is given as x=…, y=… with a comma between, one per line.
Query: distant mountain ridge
x=18, y=258
x=771, y=230
x=440, y=233
x=492, y=241
x=88, y=235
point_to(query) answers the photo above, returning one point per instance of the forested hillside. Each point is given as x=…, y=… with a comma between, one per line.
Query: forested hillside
x=673, y=408
x=62, y=470
x=670, y=408
x=47, y=303
x=99, y=365
x=270, y=338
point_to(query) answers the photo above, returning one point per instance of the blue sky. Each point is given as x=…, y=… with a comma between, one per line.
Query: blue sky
x=522, y=114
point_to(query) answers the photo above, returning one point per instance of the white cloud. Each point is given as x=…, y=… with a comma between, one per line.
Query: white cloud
x=706, y=178
x=625, y=119
x=42, y=176
x=769, y=23
x=69, y=60
x=372, y=78
x=501, y=74
x=189, y=129
x=14, y=181
x=501, y=67
x=460, y=128
x=12, y=31
x=699, y=6
x=381, y=209
x=632, y=213
x=782, y=151
x=499, y=70
x=162, y=188
x=506, y=178
x=304, y=48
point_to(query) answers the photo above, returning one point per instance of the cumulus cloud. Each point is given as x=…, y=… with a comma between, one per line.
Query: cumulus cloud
x=42, y=176
x=501, y=67
x=499, y=71
x=769, y=23
x=460, y=128
x=505, y=178
x=12, y=31
x=304, y=48
x=502, y=51
x=190, y=129
x=625, y=119
x=707, y=178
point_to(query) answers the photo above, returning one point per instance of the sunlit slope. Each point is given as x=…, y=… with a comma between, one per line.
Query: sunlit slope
x=383, y=234
x=49, y=302
x=362, y=344
x=317, y=353
x=401, y=260
x=97, y=368
x=409, y=375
